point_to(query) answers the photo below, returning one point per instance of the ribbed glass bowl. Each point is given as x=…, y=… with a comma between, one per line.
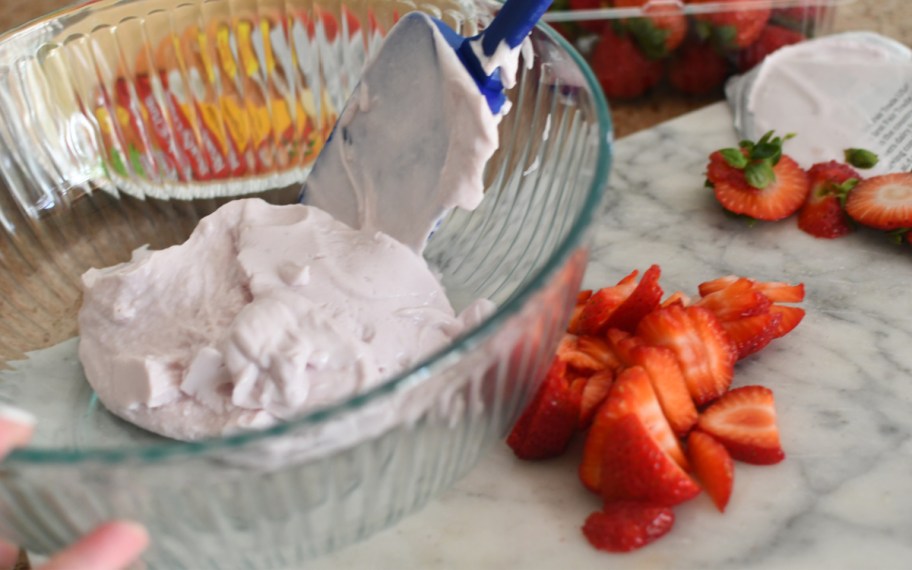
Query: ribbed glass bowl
x=124, y=122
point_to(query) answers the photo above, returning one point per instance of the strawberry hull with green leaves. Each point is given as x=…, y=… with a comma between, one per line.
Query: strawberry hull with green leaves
x=757, y=180
x=832, y=199
x=646, y=382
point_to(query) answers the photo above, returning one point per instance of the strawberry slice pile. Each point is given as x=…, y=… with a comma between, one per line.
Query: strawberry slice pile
x=831, y=198
x=648, y=380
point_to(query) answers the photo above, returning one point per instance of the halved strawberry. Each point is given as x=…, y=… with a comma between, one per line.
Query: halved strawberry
x=623, y=526
x=823, y=214
x=744, y=421
x=635, y=467
x=699, y=342
x=631, y=393
x=594, y=392
x=669, y=385
x=642, y=300
x=733, y=26
x=757, y=180
x=789, y=317
x=548, y=423
x=883, y=202
x=751, y=334
x=713, y=467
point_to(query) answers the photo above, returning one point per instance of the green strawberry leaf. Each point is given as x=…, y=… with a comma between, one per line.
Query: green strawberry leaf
x=725, y=37
x=759, y=174
x=734, y=157
x=703, y=30
x=841, y=191
x=861, y=158
x=649, y=37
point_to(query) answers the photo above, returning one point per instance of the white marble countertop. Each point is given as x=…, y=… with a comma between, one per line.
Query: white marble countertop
x=842, y=499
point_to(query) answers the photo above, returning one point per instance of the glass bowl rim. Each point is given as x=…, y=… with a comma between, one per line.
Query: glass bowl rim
x=151, y=453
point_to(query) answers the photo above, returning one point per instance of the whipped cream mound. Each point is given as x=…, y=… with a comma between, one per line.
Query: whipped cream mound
x=263, y=313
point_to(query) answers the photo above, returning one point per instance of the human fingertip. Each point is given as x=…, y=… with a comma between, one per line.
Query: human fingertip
x=9, y=555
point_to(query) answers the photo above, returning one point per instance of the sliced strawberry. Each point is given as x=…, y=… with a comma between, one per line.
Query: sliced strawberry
x=713, y=467
x=594, y=392
x=676, y=298
x=586, y=354
x=635, y=467
x=733, y=26
x=780, y=292
x=882, y=202
x=546, y=426
x=641, y=301
x=623, y=526
x=740, y=299
x=775, y=291
x=749, y=335
x=669, y=385
x=699, y=342
x=631, y=393
x=769, y=194
x=716, y=284
x=823, y=214
x=789, y=317
x=772, y=38
x=622, y=343
x=744, y=421
x=697, y=69
x=598, y=308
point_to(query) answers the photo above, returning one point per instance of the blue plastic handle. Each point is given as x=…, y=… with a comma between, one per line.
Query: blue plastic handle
x=512, y=24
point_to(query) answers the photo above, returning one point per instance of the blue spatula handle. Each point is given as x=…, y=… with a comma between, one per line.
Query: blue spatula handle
x=513, y=23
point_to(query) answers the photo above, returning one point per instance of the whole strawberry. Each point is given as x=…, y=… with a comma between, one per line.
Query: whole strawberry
x=595, y=25
x=735, y=27
x=771, y=39
x=621, y=68
x=757, y=180
x=660, y=31
x=823, y=214
x=697, y=69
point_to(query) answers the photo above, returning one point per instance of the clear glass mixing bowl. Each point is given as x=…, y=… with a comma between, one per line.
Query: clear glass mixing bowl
x=121, y=124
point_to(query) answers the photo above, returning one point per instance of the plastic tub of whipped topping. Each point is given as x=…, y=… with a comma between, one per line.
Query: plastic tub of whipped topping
x=851, y=90
x=684, y=47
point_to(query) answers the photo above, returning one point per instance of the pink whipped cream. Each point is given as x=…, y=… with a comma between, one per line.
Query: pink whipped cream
x=263, y=313
x=266, y=311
